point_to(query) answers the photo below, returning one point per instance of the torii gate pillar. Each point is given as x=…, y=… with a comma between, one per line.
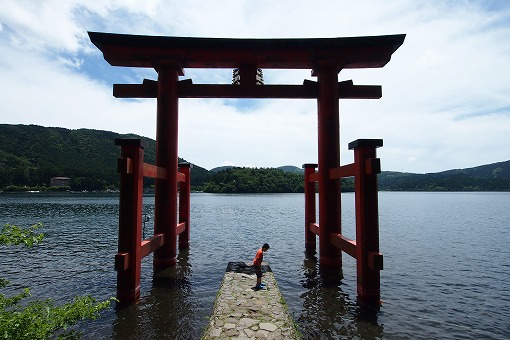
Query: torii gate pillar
x=329, y=158
x=165, y=208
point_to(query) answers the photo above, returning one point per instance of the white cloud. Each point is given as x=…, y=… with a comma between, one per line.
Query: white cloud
x=38, y=25
x=72, y=62
x=445, y=94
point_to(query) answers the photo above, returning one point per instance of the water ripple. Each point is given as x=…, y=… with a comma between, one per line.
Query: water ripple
x=445, y=275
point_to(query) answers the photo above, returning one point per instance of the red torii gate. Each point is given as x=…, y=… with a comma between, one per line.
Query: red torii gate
x=325, y=57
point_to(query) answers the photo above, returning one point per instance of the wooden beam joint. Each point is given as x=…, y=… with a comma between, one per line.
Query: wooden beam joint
x=314, y=228
x=180, y=228
x=375, y=260
x=121, y=261
x=125, y=165
x=372, y=166
x=151, y=244
x=343, y=171
x=344, y=244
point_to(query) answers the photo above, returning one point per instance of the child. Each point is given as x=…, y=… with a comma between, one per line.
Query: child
x=257, y=263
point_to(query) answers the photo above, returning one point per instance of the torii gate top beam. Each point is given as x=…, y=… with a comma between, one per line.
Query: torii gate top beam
x=148, y=51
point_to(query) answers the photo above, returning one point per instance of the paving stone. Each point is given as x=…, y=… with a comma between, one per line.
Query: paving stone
x=231, y=320
x=216, y=332
x=247, y=322
x=261, y=334
x=232, y=332
x=249, y=332
x=243, y=313
x=268, y=326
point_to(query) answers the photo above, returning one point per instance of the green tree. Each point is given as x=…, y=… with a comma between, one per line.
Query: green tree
x=40, y=319
x=254, y=180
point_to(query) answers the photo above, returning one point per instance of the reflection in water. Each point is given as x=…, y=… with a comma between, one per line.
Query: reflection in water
x=166, y=311
x=327, y=311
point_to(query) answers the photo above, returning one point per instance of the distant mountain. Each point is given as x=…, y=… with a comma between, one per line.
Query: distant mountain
x=496, y=170
x=490, y=177
x=291, y=169
x=30, y=155
x=221, y=168
x=285, y=168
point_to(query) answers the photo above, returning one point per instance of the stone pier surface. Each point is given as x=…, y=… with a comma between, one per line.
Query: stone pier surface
x=243, y=312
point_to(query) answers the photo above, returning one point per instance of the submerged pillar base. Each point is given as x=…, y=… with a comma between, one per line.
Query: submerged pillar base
x=128, y=296
x=164, y=263
x=330, y=262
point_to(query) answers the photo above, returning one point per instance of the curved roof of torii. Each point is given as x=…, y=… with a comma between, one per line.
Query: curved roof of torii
x=307, y=53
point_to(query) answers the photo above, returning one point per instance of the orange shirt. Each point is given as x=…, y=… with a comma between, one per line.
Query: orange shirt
x=257, y=261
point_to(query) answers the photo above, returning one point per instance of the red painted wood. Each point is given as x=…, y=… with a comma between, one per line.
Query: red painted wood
x=142, y=51
x=325, y=57
x=344, y=244
x=124, y=165
x=342, y=172
x=329, y=158
x=151, y=244
x=180, y=227
x=165, y=209
x=375, y=260
x=152, y=171
x=181, y=177
x=185, y=205
x=128, y=259
x=369, y=260
x=310, y=210
x=314, y=228
x=121, y=261
x=314, y=177
x=186, y=89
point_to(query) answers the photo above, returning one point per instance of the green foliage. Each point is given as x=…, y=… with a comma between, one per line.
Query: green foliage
x=30, y=155
x=484, y=178
x=44, y=320
x=255, y=180
x=40, y=319
x=261, y=180
x=14, y=235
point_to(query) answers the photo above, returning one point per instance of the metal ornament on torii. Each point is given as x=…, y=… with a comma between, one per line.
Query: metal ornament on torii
x=325, y=57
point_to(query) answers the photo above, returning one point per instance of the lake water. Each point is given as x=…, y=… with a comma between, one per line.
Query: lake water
x=446, y=264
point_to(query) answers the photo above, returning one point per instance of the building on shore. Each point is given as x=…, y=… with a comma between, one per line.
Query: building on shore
x=60, y=182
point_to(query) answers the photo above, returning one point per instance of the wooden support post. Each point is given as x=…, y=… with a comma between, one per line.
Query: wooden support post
x=165, y=208
x=369, y=260
x=310, y=211
x=329, y=158
x=129, y=257
x=184, y=204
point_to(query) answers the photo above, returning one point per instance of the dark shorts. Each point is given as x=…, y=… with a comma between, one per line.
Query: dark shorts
x=258, y=270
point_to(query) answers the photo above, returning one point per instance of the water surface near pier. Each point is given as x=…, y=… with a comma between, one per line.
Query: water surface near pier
x=446, y=264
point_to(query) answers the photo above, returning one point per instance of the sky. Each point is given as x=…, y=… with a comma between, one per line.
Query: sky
x=446, y=91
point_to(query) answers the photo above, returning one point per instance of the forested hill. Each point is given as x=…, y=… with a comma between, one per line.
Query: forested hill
x=490, y=177
x=30, y=155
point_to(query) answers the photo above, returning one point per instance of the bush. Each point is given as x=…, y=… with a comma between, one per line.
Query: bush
x=40, y=319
